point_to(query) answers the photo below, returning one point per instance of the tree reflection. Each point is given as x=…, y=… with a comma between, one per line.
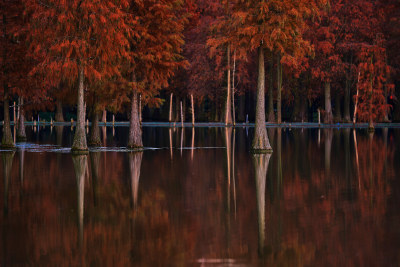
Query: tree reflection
x=94, y=166
x=135, y=160
x=261, y=162
x=7, y=157
x=80, y=166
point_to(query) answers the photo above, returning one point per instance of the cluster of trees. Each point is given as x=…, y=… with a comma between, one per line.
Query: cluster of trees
x=129, y=54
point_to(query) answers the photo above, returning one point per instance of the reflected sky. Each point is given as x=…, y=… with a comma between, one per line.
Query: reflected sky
x=324, y=197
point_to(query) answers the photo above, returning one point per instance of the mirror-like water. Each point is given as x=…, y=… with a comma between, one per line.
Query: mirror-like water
x=324, y=197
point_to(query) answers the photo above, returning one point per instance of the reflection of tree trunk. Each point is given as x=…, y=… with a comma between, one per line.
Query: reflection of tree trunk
x=328, y=117
x=59, y=112
x=279, y=150
x=21, y=136
x=170, y=142
x=80, y=165
x=228, y=140
x=192, y=152
x=233, y=168
x=328, y=135
x=347, y=165
x=79, y=143
x=260, y=142
x=7, y=166
x=94, y=138
x=94, y=165
x=21, y=168
x=261, y=162
x=135, y=161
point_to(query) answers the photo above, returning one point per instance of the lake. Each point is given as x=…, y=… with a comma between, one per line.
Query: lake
x=197, y=197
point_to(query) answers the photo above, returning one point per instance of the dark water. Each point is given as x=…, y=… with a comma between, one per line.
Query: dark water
x=322, y=198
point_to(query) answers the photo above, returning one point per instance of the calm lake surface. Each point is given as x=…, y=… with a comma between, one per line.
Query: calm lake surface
x=323, y=198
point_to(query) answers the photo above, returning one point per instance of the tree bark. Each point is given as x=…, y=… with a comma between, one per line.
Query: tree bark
x=79, y=144
x=260, y=142
x=228, y=114
x=328, y=117
x=21, y=134
x=7, y=140
x=59, y=112
x=192, y=106
x=104, y=116
x=135, y=131
x=346, y=108
x=279, y=96
x=94, y=138
x=271, y=114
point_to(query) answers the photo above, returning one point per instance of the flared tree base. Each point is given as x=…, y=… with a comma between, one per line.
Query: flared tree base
x=21, y=138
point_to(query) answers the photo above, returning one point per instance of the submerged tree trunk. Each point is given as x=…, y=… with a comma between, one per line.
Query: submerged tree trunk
x=135, y=131
x=228, y=114
x=21, y=135
x=7, y=140
x=271, y=114
x=79, y=144
x=346, y=108
x=59, y=112
x=279, y=96
x=328, y=117
x=260, y=142
x=94, y=138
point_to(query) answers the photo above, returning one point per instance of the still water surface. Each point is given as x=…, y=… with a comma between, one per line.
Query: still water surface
x=324, y=198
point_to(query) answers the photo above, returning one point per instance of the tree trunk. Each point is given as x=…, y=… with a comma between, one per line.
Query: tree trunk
x=59, y=112
x=79, y=143
x=356, y=104
x=94, y=138
x=303, y=109
x=328, y=117
x=192, y=105
x=170, y=107
x=104, y=116
x=233, y=89
x=260, y=142
x=279, y=96
x=21, y=135
x=7, y=140
x=228, y=114
x=338, y=112
x=346, y=108
x=271, y=114
x=181, y=114
x=135, y=131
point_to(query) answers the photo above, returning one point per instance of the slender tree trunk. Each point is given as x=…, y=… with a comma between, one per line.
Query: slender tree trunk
x=170, y=107
x=59, y=112
x=260, y=142
x=79, y=143
x=181, y=114
x=192, y=105
x=271, y=114
x=135, y=131
x=346, y=108
x=356, y=104
x=94, y=138
x=7, y=140
x=21, y=135
x=328, y=117
x=279, y=96
x=233, y=89
x=140, y=109
x=104, y=116
x=228, y=114
x=338, y=112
